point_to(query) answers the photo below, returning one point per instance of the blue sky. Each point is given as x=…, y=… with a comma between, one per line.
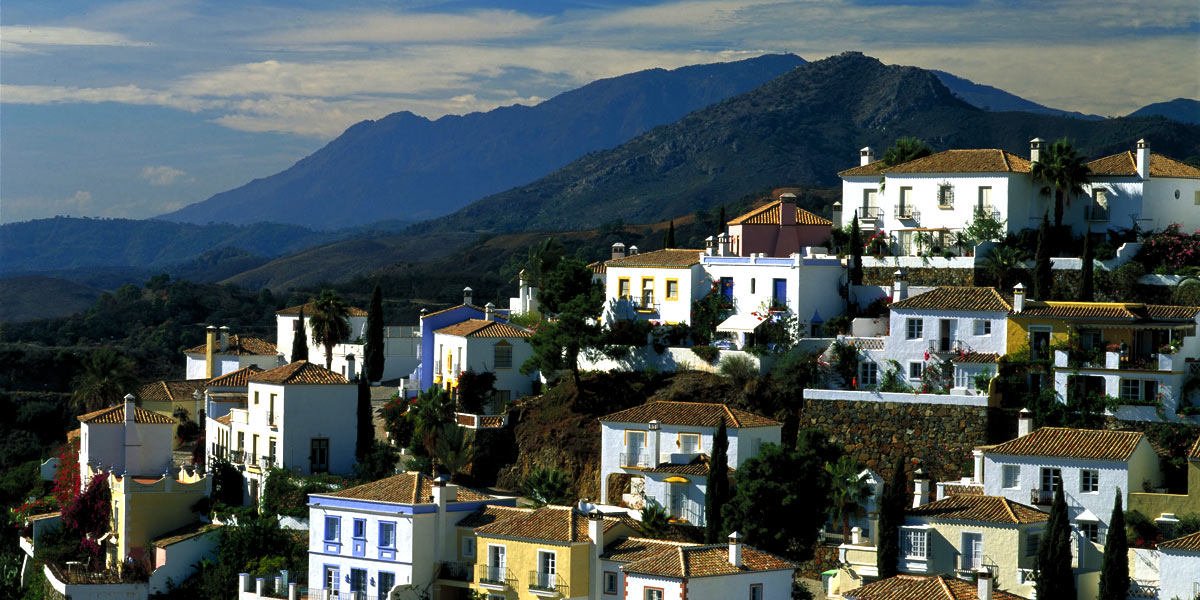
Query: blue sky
x=136, y=108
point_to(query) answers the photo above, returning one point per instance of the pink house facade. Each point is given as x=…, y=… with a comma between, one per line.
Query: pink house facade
x=777, y=229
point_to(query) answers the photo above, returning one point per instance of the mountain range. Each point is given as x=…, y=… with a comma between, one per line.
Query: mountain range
x=1183, y=110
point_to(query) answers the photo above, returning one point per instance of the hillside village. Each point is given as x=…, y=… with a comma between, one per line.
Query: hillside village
x=963, y=385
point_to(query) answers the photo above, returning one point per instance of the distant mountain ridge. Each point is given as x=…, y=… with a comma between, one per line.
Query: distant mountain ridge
x=1184, y=110
x=408, y=167
x=997, y=100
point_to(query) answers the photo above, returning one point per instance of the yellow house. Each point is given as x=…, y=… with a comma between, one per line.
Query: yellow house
x=145, y=508
x=164, y=397
x=550, y=552
x=1167, y=506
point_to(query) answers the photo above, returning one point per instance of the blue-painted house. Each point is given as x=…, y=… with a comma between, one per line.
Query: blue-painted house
x=434, y=321
x=392, y=532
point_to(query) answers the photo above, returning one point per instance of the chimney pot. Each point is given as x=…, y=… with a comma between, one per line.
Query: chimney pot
x=1024, y=423
x=735, y=549
x=1035, y=149
x=618, y=250
x=920, y=487
x=489, y=312
x=1019, y=298
x=224, y=338
x=1143, y=159
x=866, y=156
x=899, y=286
x=130, y=408
x=633, y=250
x=468, y=293
x=210, y=347
x=984, y=579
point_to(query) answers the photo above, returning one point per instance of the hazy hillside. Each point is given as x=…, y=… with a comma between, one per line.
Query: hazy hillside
x=38, y=297
x=998, y=100
x=1184, y=110
x=801, y=128
x=406, y=166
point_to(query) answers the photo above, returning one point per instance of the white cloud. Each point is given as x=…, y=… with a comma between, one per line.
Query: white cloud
x=25, y=38
x=162, y=175
x=406, y=28
x=125, y=94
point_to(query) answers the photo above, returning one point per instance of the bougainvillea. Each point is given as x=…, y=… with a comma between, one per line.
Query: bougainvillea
x=1171, y=249
x=66, y=478
x=88, y=513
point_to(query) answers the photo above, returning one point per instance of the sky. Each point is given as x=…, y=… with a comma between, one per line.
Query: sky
x=137, y=108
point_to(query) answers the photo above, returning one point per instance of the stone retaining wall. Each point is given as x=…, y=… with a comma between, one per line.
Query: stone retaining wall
x=825, y=558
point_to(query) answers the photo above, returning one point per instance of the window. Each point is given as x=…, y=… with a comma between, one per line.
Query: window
x=547, y=569
x=333, y=529
x=1091, y=531
x=360, y=529
x=256, y=397
x=870, y=198
x=915, y=369
x=502, y=355
x=1032, y=541
x=241, y=441
x=318, y=457
x=623, y=290
x=962, y=378
x=654, y=594
x=756, y=591
x=914, y=543
x=1049, y=476
x=497, y=564
x=1089, y=481
x=689, y=443
x=501, y=398
x=983, y=327
x=945, y=195
x=868, y=373
x=647, y=291
x=468, y=547
x=779, y=291
x=610, y=582
x=271, y=451
x=905, y=207
x=1012, y=476
x=358, y=580
x=727, y=287
x=914, y=329
x=1099, y=205
x=254, y=447
x=1196, y=201
x=985, y=200
x=672, y=289
x=753, y=285
x=387, y=535
x=331, y=578
x=386, y=582
x=1138, y=390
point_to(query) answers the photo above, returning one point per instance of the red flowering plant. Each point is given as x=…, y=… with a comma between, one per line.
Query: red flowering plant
x=66, y=478
x=1171, y=249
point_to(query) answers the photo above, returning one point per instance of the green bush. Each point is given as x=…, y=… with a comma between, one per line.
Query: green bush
x=739, y=369
x=706, y=353
x=546, y=485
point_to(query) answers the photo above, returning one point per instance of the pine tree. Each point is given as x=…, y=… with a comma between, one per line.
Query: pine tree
x=373, y=361
x=1052, y=573
x=366, y=428
x=1087, y=291
x=891, y=517
x=1043, y=277
x=669, y=236
x=856, y=252
x=1114, y=576
x=300, y=340
x=717, y=490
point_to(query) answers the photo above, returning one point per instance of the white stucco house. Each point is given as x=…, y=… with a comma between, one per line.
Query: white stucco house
x=965, y=326
x=662, y=448
x=125, y=439
x=695, y=572
x=656, y=286
x=228, y=353
x=1141, y=187
x=1179, y=567
x=301, y=417
x=484, y=345
x=401, y=343
x=392, y=532
x=1093, y=464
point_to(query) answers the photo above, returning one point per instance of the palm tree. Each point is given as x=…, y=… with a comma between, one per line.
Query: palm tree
x=455, y=449
x=847, y=491
x=546, y=485
x=434, y=407
x=1001, y=263
x=656, y=523
x=1064, y=172
x=903, y=150
x=330, y=324
x=1191, y=278
x=106, y=378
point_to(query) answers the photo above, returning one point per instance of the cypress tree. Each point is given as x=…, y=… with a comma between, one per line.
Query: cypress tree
x=891, y=517
x=1043, y=277
x=721, y=225
x=856, y=252
x=373, y=361
x=717, y=489
x=669, y=236
x=365, y=437
x=1086, y=288
x=1114, y=576
x=1052, y=574
x=300, y=340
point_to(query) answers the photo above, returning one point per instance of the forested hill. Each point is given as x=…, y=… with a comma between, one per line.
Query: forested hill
x=801, y=128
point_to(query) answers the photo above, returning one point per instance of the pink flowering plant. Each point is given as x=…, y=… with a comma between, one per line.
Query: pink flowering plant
x=1171, y=249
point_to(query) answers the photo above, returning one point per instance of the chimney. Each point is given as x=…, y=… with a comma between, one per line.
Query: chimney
x=443, y=492
x=710, y=245
x=723, y=244
x=899, y=286
x=837, y=212
x=977, y=455
x=618, y=250
x=633, y=250
x=350, y=366
x=596, y=535
x=787, y=209
x=1035, y=149
x=130, y=407
x=1019, y=298
x=224, y=338
x=856, y=535
x=489, y=312
x=1024, y=423
x=1143, y=159
x=735, y=549
x=984, y=578
x=467, y=295
x=920, y=487
x=210, y=345
x=866, y=156
x=655, y=442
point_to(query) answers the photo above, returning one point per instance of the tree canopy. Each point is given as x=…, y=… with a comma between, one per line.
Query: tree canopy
x=373, y=362
x=1114, y=575
x=1064, y=172
x=106, y=378
x=891, y=517
x=717, y=487
x=570, y=295
x=300, y=340
x=330, y=324
x=1052, y=572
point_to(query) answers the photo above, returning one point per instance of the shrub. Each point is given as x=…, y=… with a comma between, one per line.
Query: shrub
x=546, y=485
x=739, y=369
x=706, y=353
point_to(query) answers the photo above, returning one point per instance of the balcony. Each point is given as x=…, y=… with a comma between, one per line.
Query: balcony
x=548, y=585
x=987, y=212
x=455, y=571
x=948, y=346
x=1142, y=588
x=494, y=578
x=1097, y=213
x=237, y=457
x=635, y=460
x=1039, y=497
x=645, y=304
x=869, y=213
x=271, y=419
x=906, y=213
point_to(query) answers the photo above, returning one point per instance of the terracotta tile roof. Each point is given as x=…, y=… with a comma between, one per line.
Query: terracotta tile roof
x=1189, y=543
x=633, y=549
x=116, y=414
x=405, y=488
x=988, y=509
x=311, y=307
x=1064, y=442
x=707, y=561
x=300, y=371
x=186, y=532
x=456, y=307
x=1124, y=164
x=957, y=298
x=915, y=587
x=239, y=345
x=669, y=258
x=490, y=513
x=983, y=160
x=874, y=168
x=170, y=391
x=769, y=214
x=1194, y=453
x=978, y=357
x=550, y=524
x=1125, y=311
x=225, y=420
x=1171, y=313
x=698, y=466
x=690, y=413
x=482, y=328
x=598, y=267
x=238, y=378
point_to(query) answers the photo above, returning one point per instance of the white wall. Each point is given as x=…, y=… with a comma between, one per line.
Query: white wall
x=478, y=354
x=303, y=412
x=406, y=563
x=1113, y=475
x=1162, y=208
x=904, y=351
x=228, y=363
x=181, y=557
x=693, y=284
x=810, y=284
x=636, y=584
x=285, y=331
x=777, y=585
x=1180, y=573
x=142, y=449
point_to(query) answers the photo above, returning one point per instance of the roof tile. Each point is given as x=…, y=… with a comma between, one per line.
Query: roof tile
x=551, y=524
x=239, y=378
x=668, y=258
x=707, y=561
x=957, y=298
x=1063, y=442
x=1124, y=164
x=982, y=160
x=116, y=414
x=915, y=587
x=987, y=509
x=701, y=414
x=239, y=345
x=482, y=328
x=769, y=214
x=405, y=488
x=873, y=168
x=170, y=391
x=1189, y=543
x=311, y=307
x=299, y=372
